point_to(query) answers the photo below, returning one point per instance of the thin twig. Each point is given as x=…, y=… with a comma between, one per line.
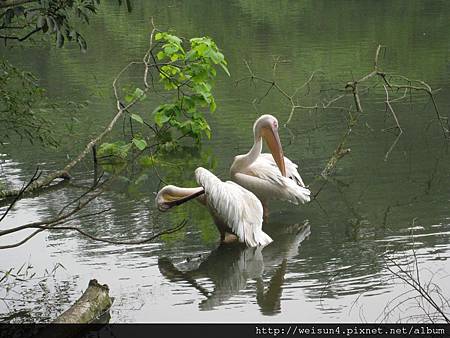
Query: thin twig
x=105, y=240
x=35, y=177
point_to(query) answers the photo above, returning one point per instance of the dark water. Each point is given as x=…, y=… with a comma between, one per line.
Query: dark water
x=326, y=262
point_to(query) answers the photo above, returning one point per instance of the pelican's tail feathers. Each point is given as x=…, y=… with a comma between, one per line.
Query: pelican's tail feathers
x=295, y=193
x=303, y=195
x=261, y=239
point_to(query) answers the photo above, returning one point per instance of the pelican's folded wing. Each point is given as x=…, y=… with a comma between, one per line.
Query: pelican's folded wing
x=235, y=206
x=290, y=188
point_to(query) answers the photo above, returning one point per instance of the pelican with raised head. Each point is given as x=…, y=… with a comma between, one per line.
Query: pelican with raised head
x=269, y=176
x=237, y=213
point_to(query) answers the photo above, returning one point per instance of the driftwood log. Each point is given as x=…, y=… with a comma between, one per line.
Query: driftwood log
x=94, y=302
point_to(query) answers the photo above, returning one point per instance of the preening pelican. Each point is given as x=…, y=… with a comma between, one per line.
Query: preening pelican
x=269, y=176
x=237, y=213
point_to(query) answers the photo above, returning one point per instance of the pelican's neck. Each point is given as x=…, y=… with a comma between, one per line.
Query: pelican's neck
x=173, y=193
x=185, y=192
x=254, y=153
x=190, y=193
x=242, y=162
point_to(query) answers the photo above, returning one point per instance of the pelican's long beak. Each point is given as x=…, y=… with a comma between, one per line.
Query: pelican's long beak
x=272, y=138
x=171, y=196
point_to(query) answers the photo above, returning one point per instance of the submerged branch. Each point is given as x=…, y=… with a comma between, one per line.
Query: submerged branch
x=65, y=215
x=180, y=226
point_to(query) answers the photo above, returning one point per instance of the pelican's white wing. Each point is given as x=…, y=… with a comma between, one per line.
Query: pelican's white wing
x=234, y=207
x=291, y=168
x=267, y=182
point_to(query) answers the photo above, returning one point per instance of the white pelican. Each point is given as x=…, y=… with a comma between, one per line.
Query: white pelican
x=237, y=213
x=269, y=176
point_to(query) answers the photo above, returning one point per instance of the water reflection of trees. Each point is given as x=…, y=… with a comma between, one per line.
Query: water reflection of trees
x=230, y=267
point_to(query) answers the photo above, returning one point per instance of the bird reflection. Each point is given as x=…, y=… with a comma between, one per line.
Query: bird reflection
x=230, y=267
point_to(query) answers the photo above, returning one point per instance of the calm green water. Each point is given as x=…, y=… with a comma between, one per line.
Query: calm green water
x=325, y=263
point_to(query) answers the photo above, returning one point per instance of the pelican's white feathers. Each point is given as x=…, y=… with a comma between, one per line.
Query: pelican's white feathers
x=265, y=179
x=235, y=207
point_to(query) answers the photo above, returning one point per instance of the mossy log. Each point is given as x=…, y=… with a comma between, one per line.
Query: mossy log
x=94, y=302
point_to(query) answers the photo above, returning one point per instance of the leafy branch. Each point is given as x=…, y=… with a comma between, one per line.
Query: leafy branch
x=185, y=70
x=22, y=107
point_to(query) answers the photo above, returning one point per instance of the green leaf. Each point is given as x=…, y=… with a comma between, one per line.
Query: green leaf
x=161, y=118
x=128, y=98
x=225, y=69
x=161, y=55
x=213, y=105
x=174, y=39
x=147, y=161
x=118, y=149
x=141, y=144
x=59, y=39
x=138, y=93
x=137, y=118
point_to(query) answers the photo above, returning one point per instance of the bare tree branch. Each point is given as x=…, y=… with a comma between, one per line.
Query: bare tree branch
x=64, y=216
x=23, y=38
x=110, y=241
x=35, y=177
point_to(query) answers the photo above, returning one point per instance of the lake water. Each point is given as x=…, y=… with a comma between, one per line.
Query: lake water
x=328, y=260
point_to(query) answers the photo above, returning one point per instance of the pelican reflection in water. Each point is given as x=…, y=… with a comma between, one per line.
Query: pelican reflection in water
x=229, y=267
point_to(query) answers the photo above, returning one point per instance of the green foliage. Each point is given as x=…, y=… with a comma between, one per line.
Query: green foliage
x=147, y=161
x=137, y=94
x=53, y=17
x=23, y=107
x=117, y=151
x=188, y=71
x=137, y=118
x=23, y=104
x=140, y=143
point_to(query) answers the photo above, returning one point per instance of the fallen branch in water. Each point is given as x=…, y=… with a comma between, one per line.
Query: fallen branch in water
x=353, y=88
x=61, y=218
x=66, y=214
x=72, y=211
x=64, y=173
